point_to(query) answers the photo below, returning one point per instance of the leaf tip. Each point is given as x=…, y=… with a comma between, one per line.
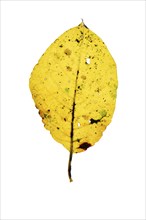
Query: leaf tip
x=83, y=24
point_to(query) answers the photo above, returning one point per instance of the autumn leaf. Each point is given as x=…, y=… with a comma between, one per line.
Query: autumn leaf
x=74, y=86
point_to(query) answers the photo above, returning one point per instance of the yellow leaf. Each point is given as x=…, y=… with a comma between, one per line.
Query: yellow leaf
x=74, y=87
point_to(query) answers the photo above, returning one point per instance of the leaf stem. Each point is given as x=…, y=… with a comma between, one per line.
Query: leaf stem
x=69, y=164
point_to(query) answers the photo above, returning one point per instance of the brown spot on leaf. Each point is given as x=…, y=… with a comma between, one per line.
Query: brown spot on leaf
x=41, y=113
x=69, y=68
x=85, y=117
x=57, y=55
x=92, y=121
x=83, y=77
x=85, y=145
x=77, y=41
x=78, y=140
x=67, y=52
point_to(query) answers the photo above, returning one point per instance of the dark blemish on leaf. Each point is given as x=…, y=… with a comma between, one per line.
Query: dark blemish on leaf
x=79, y=87
x=78, y=140
x=85, y=145
x=77, y=41
x=85, y=117
x=69, y=68
x=83, y=77
x=67, y=52
x=81, y=32
x=58, y=128
x=61, y=45
x=68, y=39
x=95, y=45
x=92, y=121
x=64, y=119
x=97, y=90
x=66, y=90
x=48, y=110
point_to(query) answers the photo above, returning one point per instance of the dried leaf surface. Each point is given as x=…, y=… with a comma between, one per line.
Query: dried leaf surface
x=74, y=87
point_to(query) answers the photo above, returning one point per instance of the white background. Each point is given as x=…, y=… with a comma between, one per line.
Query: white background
x=109, y=178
